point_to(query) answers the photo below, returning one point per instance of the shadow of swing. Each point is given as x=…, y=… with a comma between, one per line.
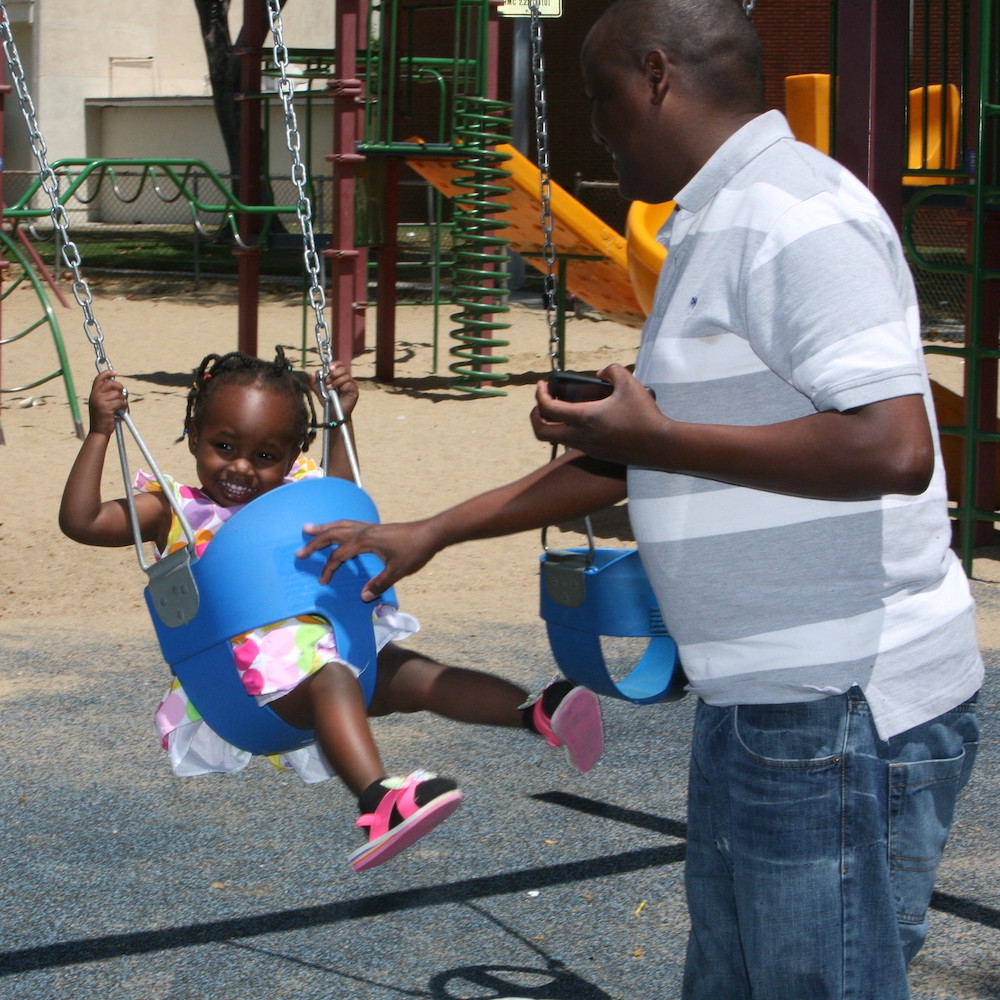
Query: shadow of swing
x=513, y=982
x=553, y=981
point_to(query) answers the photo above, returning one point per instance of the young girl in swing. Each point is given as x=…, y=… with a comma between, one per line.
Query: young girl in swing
x=247, y=423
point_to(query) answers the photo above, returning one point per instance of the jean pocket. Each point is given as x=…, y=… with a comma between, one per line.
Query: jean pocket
x=922, y=796
x=792, y=736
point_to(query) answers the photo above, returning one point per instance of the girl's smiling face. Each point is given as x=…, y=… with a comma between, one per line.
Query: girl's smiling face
x=245, y=444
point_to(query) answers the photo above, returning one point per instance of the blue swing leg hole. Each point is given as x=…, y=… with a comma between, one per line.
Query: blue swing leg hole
x=592, y=598
x=250, y=576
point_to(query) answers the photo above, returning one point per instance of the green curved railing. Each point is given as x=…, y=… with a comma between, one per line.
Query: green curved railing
x=85, y=179
x=12, y=252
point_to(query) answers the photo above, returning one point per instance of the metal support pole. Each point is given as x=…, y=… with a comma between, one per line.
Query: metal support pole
x=348, y=265
x=5, y=89
x=871, y=77
x=387, y=257
x=983, y=307
x=249, y=182
x=521, y=116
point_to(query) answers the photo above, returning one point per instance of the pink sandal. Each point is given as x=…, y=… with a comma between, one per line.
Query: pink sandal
x=385, y=841
x=576, y=724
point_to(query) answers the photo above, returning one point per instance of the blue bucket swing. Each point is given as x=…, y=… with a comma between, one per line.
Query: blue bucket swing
x=589, y=593
x=249, y=576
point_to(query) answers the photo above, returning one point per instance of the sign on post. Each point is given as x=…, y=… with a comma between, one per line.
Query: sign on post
x=521, y=8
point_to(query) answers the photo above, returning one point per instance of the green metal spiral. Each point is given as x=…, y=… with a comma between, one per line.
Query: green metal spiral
x=480, y=252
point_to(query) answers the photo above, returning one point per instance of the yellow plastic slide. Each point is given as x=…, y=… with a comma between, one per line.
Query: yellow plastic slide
x=596, y=259
x=807, y=107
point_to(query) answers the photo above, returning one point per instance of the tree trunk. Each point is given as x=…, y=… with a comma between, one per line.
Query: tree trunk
x=224, y=71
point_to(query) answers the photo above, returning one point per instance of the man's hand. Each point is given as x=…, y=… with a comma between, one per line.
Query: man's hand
x=404, y=548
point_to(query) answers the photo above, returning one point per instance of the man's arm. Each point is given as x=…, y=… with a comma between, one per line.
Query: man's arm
x=873, y=450
x=568, y=487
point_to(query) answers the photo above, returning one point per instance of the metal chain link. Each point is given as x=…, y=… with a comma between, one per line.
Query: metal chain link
x=303, y=210
x=545, y=179
x=50, y=185
x=303, y=205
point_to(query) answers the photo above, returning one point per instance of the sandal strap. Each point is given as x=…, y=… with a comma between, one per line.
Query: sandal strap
x=543, y=726
x=400, y=797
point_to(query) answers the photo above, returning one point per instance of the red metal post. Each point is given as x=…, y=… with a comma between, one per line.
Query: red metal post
x=871, y=71
x=348, y=265
x=249, y=184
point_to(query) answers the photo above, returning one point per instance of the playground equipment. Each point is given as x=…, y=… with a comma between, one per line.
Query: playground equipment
x=455, y=94
x=16, y=247
x=480, y=252
x=933, y=116
x=191, y=182
x=28, y=270
x=969, y=426
x=588, y=594
x=592, y=258
x=645, y=255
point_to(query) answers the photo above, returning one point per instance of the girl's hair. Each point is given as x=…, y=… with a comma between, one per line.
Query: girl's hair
x=237, y=368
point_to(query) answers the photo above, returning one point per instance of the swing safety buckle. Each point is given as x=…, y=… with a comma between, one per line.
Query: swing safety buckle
x=563, y=576
x=172, y=590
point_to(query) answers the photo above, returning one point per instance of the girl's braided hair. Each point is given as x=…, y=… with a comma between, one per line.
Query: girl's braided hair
x=237, y=368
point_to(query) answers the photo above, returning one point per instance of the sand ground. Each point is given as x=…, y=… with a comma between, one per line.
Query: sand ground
x=422, y=445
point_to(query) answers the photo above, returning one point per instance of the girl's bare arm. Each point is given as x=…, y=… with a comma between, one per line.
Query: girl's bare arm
x=83, y=515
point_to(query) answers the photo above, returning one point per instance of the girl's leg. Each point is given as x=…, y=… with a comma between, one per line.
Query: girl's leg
x=407, y=682
x=331, y=702
x=564, y=715
x=395, y=812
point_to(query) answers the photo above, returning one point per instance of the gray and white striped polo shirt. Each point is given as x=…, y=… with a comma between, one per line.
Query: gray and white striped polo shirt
x=786, y=292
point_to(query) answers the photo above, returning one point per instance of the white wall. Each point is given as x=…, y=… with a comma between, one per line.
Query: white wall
x=172, y=128
x=73, y=50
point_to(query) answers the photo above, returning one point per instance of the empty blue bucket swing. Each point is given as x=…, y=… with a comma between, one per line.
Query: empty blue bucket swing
x=249, y=577
x=587, y=593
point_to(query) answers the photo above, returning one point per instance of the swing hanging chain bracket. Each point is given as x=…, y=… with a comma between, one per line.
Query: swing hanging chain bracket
x=333, y=414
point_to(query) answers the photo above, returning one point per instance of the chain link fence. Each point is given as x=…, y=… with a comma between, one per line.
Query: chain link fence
x=940, y=234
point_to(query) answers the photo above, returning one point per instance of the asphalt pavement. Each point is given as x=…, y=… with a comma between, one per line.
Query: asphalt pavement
x=121, y=880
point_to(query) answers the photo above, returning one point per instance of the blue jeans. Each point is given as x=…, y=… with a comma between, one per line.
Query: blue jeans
x=813, y=847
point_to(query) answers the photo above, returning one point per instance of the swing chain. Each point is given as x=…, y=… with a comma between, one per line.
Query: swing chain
x=50, y=185
x=333, y=415
x=303, y=205
x=542, y=143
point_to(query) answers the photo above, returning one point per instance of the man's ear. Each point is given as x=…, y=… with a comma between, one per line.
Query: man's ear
x=656, y=67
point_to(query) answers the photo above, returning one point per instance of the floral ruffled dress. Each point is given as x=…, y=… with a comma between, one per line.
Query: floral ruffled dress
x=272, y=660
